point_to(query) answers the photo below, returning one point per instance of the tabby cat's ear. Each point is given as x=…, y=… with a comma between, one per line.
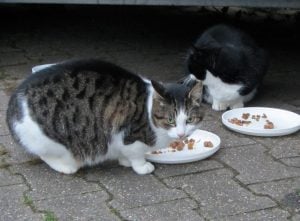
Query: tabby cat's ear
x=159, y=89
x=196, y=93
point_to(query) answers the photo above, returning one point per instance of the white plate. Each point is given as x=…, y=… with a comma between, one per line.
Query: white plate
x=285, y=122
x=199, y=152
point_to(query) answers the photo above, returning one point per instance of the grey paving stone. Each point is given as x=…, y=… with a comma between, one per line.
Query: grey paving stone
x=3, y=150
x=73, y=41
x=162, y=67
x=6, y=178
x=272, y=142
x=3, y=156
x=3, y=163
x=17, y=71
x=8, y=86
x=291, y=105
x=285, y=93
x=90, y=51
x=3, y=127
x=130, y=190
x=13, y=206
x=219, y=195
x=47, y=183
x=4, y=98
x=211, y=124
x=50, y=59
x=12, y=58
x=176, y=210
x=36, y=46
x=254, y=165
x=262, y=215
x=228, y=138
x=210, y=114
x=17, y=153
x=279, y=67
x=89, y=206
x=7, y=48
x=296, y=103
x=292, y=162
x=7, y=43
x=164, y=171
x=296, y=217
x=286, y=148
x=286, y=88
x=287, y=192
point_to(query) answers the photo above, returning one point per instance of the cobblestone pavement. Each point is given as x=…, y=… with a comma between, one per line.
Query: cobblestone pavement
x=249, y=178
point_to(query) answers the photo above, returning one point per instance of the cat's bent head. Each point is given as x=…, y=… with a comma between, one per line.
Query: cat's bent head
x=176, y=107
x=203, y=56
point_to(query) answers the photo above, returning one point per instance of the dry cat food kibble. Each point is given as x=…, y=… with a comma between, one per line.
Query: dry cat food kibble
x=256, y=117
x=177, y=144
x=156, y=152
x=190, y=144
x=269, y=125
x=235, y=121
x=208, y=144
x=245, y=116
x=239, y=122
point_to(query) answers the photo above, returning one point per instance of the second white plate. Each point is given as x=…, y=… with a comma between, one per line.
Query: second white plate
x=285, y=122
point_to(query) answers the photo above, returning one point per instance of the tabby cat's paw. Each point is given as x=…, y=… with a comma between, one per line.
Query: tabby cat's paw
x=144, y=169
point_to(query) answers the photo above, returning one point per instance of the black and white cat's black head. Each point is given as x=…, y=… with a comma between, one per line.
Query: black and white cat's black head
x=230, y=64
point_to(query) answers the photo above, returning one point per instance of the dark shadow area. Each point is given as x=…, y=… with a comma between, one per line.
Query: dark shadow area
x=152, y=41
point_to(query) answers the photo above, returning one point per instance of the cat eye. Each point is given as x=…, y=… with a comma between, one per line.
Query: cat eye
x=171, y=120
x=190, y=120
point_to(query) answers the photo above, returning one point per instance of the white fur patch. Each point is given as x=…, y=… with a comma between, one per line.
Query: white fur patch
x=223, y=95
x=181, y=124
x=32, y=137
x=220, y=90
x=182, y=128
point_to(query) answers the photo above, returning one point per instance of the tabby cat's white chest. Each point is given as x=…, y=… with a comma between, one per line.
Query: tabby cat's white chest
x=162, y=138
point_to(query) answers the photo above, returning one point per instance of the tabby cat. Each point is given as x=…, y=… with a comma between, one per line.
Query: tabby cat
x=230, y=64
x=82, y=112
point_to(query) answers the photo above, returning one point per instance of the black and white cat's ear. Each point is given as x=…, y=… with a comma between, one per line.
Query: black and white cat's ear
x=208, y=45
x=195, y=93
x=193, y=49
x=159, y=89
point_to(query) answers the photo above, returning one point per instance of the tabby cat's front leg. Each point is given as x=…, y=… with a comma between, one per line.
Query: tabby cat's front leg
x=135, y=154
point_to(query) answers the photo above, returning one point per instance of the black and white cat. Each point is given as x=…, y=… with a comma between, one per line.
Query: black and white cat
x=230, y=64
x=83, y=112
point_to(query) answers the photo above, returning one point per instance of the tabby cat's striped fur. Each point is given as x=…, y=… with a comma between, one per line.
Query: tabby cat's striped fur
x=83, y=112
